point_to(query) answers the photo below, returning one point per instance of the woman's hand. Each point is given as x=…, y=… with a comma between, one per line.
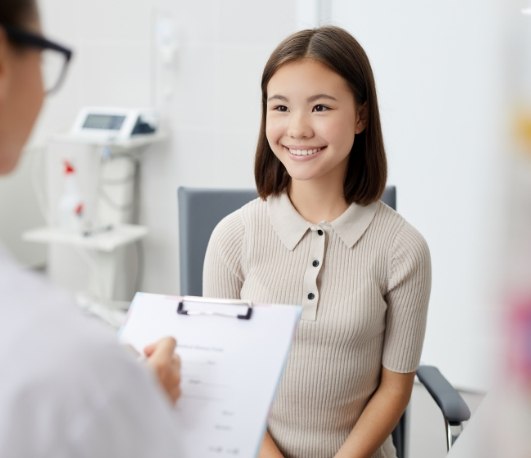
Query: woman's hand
x=269, y=449
x=166, y=364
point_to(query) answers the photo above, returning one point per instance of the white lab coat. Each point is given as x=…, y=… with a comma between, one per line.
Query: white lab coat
x=67, y=388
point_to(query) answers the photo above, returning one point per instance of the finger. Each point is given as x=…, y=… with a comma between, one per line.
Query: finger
x=164, y=348
x=171, y=382
x=175, y=393
x=148, y=351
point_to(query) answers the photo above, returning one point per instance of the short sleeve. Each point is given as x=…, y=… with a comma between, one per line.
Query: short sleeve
x=407, y=300
x=222, y=269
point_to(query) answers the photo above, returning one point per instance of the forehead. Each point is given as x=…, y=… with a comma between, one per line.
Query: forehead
x=306, y=75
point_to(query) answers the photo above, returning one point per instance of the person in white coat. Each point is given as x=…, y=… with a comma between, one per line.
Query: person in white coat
x=67, y=387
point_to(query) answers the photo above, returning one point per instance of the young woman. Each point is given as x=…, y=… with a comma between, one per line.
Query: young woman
x=67, y=388
x=320, y=237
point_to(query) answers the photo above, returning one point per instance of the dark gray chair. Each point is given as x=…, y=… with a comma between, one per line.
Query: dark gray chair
x=200, y=209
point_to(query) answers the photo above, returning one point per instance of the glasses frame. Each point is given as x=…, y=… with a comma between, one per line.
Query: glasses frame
x=34, y=40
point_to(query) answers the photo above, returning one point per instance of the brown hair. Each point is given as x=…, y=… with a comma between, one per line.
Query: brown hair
x=16, y=12
x=367, y=165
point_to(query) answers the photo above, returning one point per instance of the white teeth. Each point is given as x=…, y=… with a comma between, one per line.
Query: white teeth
x=304, y=152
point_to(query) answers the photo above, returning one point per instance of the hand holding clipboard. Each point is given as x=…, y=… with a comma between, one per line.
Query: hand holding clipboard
x=232, y=354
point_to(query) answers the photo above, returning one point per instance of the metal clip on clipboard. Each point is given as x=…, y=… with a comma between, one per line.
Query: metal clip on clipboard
x=246, y=316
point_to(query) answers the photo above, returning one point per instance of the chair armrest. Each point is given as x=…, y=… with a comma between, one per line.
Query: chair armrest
x=452, y=405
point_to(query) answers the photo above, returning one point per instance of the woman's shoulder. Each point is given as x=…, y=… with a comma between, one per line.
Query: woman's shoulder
x=232, y=226
x=403, y=233
x=249, y=211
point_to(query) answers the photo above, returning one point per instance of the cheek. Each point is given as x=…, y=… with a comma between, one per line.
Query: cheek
x=39, y=85
x=273, y=131
x=31, y=80
x=342, y=132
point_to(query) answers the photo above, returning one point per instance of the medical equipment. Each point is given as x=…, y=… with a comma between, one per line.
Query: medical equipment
x=106, y=145
x=114, y=124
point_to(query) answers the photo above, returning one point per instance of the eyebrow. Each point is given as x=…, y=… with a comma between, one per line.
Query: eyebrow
x=313, y=98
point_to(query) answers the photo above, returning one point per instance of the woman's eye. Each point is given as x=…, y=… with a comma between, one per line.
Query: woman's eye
x=282, y=108
x=320, y=108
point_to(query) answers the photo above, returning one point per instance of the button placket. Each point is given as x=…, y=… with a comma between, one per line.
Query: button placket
x=310, y=298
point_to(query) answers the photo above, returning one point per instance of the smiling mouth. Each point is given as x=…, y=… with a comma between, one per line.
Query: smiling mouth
x=304, y=152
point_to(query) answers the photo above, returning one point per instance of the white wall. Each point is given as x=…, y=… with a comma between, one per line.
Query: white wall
x=438, y=69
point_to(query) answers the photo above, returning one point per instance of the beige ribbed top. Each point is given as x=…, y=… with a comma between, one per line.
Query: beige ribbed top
x=364, y=283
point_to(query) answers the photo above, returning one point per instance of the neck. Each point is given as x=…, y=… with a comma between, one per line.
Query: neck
x=318, y=202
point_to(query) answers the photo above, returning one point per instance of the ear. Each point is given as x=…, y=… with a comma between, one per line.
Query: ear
x=361, y=121
x=5, y=53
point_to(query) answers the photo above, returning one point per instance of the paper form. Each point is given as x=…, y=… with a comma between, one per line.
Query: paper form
x=230, y=369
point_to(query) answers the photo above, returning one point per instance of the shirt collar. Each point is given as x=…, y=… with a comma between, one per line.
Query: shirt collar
x=290, y=226
x=353, y=223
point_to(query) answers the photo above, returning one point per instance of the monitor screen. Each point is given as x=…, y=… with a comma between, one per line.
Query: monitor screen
x=103, y=121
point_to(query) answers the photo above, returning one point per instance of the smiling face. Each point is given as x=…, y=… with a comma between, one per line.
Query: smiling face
x=311, y=121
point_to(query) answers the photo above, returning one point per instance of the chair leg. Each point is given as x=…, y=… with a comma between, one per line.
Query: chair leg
x=400, y=435
x=452, y=433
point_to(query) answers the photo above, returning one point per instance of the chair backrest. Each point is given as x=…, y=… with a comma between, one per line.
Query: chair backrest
x=389, y=196
x=200, y=209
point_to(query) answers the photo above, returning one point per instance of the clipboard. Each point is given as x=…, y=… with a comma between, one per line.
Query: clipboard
x=233, y=354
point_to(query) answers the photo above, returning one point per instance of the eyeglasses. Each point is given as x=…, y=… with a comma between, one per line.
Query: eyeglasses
x=54, y=57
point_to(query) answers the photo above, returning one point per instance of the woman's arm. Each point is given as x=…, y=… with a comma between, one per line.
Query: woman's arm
x=380, y=415
x=407, y=299
x=269, y=448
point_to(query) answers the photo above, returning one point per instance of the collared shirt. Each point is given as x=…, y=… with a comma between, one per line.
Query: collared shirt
x=291, y=227
x=363, y=281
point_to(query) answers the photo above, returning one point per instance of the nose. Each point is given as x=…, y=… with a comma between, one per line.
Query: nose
x=299, y=126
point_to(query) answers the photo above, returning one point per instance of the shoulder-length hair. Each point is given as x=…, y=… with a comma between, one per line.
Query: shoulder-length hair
x=338, y=50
